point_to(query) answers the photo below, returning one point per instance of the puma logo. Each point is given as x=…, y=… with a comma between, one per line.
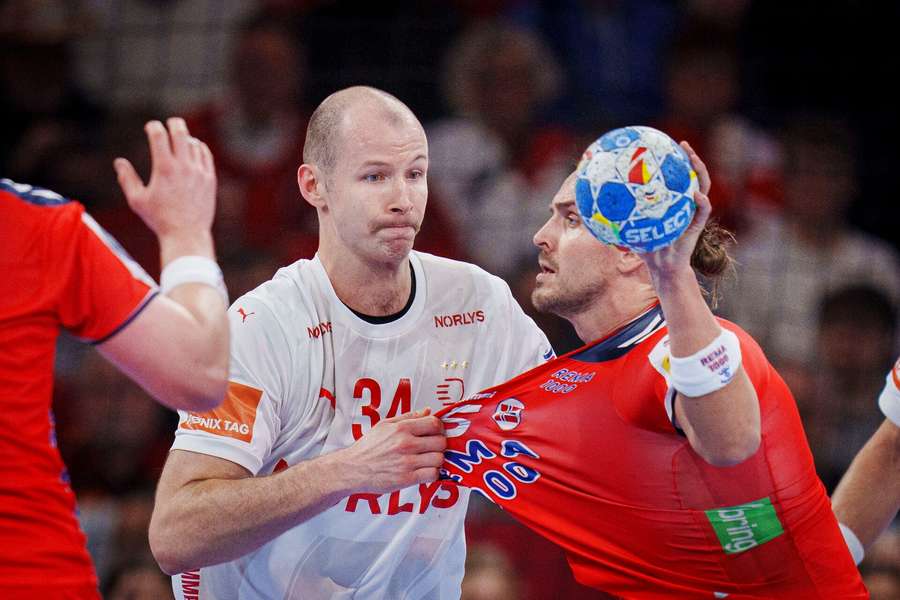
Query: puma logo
x=244, y=315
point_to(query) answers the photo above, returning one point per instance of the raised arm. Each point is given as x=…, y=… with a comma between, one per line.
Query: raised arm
x=868, y=497
x=722, y=425
x=177, y=347
x=210, y=510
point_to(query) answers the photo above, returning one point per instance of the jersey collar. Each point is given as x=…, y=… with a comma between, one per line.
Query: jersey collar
x=405, y=323
x=624, y=339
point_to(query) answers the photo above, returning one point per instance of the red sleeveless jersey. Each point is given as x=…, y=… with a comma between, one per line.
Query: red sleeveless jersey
x=59, y=270
x=583, y=450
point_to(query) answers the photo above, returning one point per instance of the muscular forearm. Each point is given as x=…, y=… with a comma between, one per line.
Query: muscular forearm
x=209, y=510
x=215, y=520
x=868, y=497
x=722, y=426
x=205, y=341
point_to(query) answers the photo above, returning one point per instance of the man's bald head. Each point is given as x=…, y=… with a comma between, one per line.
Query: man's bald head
x=324, y=134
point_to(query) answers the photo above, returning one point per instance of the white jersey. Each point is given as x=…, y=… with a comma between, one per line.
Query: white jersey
x=889, y=400
x=308, y=377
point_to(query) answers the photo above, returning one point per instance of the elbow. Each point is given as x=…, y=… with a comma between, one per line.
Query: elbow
x=210, y=392
x=165, y=551
x=207, y=383
x=734, y=451
x=204, y=392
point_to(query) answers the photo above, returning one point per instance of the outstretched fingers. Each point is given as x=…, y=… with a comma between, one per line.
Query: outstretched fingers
x=699, y=167
x=160, y=150
x=182, y=142
x=129, y=180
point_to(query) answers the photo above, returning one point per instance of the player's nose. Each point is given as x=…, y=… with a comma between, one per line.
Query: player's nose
x=401, y=197
x=542, y=239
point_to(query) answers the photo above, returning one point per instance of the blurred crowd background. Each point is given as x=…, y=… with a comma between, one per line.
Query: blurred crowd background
x=778, y=98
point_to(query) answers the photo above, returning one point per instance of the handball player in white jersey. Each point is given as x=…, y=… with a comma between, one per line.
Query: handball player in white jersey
x=316, y=477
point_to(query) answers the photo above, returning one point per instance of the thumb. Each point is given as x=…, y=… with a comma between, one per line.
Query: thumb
x=129, y=180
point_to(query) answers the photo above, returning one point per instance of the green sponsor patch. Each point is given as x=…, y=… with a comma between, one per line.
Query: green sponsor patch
x=745, y=526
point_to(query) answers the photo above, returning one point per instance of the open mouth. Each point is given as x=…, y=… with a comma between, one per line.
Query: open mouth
x=545, y=268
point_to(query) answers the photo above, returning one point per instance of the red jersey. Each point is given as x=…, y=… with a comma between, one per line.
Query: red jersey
x=584, y=450
x=59, y=270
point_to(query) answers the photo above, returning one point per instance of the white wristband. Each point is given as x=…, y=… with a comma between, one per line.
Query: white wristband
x=193, y=269
x=889, y=400
x=708, y=370
x=853, y=544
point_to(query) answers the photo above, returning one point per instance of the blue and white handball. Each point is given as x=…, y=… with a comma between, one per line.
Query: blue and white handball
x=635, y=189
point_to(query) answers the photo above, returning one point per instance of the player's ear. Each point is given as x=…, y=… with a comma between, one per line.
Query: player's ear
x=311, y=181
x=628, y=262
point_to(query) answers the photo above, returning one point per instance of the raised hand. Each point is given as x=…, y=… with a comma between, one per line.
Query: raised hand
x=677, y=257
x=179, y=201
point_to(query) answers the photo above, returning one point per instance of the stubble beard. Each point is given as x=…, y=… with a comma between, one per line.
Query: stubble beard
x=565, y=301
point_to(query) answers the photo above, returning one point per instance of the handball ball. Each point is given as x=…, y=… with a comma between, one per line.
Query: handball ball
x=635, y=189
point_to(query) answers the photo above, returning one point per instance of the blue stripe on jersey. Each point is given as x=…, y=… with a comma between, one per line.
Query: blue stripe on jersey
x=31, y=194
x=150, y=296
x=625, y=339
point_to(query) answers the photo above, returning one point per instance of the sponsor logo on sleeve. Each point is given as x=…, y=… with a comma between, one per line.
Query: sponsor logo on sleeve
x=244, y=314
x=234, y=418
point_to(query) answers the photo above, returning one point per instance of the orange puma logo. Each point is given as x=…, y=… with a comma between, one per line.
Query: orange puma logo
x=244, y=315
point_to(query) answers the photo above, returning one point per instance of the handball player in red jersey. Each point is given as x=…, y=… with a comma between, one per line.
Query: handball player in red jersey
x=666, y=456
x=62, y=271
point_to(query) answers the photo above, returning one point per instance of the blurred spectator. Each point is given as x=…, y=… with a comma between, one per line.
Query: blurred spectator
x=171, y=52
x=256, y=133
x=42, y=111
x=837, y=395
x=702, y=94
x=881, y=567
x=138, y=580
x=494, y=167
x=613, y=52
x=489, y=575
x=394, y=46
x=540, y=566
x=788, y=261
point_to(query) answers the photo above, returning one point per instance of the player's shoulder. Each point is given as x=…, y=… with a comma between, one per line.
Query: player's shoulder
x=459, y=273
x=284, y=299
x=24, y=205
x=31, y=195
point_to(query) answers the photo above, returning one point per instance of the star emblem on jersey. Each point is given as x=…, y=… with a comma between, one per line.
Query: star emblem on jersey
x=508, y=414
x=455, y=364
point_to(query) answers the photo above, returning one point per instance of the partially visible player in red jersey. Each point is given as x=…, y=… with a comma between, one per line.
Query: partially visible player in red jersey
x=666, y=456
x=868, y=497
x=62, y=271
